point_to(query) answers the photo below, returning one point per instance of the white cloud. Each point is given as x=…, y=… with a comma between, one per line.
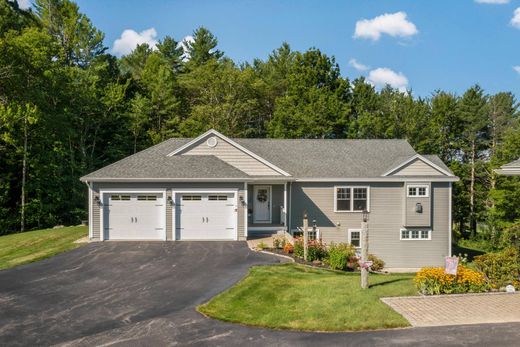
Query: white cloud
x=393, y=24
x=130, y=39
x=24, y=4
x=358, y=66
x=184, y=45
x=492, y=2
x=515, y=21
x=382, y=76
x=517, y=69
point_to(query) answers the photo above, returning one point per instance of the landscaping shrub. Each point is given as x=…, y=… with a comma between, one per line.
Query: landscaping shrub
x=500, y=268
x=433, y=280
x=288, y=248
x=339, y=255
x=315, y=251
x=377, y=263
x=261, y=246
x=278, y=242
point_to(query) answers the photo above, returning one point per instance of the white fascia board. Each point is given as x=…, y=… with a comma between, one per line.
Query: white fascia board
x=420, y=157
x=234, y=144
x=381, y=179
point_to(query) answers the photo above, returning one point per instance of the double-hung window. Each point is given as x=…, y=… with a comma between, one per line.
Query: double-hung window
x=351, y=199
x=354, y=237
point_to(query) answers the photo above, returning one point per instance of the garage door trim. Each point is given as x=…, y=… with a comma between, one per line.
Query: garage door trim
x=102, y=193
x=176, y=191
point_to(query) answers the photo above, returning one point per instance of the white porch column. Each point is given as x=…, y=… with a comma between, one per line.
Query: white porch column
x=285, y=204
x=246, y=208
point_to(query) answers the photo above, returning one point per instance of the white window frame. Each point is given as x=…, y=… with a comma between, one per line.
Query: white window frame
x=351, y=199
x=417, y=186
x=410, y=234
x=349, y=237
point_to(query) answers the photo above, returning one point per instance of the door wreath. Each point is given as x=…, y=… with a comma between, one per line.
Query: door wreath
x=261, y=196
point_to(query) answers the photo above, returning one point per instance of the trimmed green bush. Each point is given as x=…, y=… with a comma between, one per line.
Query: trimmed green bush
x=377, y=263
x=500, y=268
x=315, y=249
x=339, y=255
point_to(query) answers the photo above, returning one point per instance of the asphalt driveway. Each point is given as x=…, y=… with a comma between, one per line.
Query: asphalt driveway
x=144, y=294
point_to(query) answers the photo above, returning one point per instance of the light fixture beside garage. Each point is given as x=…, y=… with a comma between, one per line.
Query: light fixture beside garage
x=170, y=201
x=96, y=199
x=212, y=141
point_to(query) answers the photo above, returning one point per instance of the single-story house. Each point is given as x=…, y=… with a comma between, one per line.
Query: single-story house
x=511, y=169
x=216, y=188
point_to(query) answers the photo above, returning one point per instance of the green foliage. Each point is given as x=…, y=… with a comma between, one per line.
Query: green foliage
x=501, y=268
x=434, y=281
x=339, y=255
x=93, y=109
x=377, y=263
x=316, y=250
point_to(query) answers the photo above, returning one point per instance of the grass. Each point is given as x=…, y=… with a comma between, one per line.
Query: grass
x=27, y=247
x=292, y=296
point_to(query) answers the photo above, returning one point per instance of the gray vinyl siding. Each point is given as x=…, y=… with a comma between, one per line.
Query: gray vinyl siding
x=385, y=221
x=233, y=156
x=416, y=219
x=277, y=202
x=418, y=168
x=169, y=187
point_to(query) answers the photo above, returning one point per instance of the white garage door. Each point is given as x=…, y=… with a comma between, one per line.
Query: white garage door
x=206, y=216
x=135, y=216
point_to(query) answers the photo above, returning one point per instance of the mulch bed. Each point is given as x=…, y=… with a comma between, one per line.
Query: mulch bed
x=316, y=263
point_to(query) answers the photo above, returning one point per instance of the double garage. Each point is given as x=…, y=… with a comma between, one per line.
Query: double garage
x=173, y=215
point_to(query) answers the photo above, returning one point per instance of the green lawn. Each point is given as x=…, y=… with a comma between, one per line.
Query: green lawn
x=292, y=296
x=23, y=248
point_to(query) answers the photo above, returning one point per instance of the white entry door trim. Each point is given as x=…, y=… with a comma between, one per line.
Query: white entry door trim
x=102, y=193
x=262, y=211
x=180, y=191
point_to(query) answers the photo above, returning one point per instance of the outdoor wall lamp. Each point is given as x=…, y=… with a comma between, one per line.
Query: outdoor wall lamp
x=241, y=198
x=97, y=200
x=170, y=201
x=365, y=215
x=418, y=207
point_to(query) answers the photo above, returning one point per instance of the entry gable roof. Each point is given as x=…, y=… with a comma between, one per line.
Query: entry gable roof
x=212, y=132
x=510, y=169
x=435, y=167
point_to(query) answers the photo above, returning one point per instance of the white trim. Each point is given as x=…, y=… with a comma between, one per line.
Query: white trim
x=380, y=179
x=90, y=226
x=131, y=191
x=351, y=187
x=449, y=221
x=283, y=179
x=349, y=238
x=426, y=186
x=233, y=143
x=270, y=188
x=415, y=229
x=202, y=190
x=285, y=204
x=245, y=207
x=418, y=156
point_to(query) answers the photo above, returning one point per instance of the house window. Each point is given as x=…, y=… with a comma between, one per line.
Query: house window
x=191, y=197
x=418, y=191
x=415, y=234
x=217, y=197
x=147, y=197
x=351, y=199
x=354, y=237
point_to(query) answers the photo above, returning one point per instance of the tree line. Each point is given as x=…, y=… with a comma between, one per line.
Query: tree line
x=68, y=107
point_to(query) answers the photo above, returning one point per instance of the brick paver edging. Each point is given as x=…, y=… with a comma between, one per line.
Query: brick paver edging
x=457, y=309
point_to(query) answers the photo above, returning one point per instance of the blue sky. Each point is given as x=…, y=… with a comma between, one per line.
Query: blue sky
x=431, y=45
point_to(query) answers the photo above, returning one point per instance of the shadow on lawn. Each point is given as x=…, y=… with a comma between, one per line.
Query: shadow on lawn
x=388, y=282
x=472, y=253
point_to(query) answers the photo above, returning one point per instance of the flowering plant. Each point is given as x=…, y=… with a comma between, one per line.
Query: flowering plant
x=433, y=280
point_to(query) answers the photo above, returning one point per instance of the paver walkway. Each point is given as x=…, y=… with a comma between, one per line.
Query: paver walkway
x=423, y=311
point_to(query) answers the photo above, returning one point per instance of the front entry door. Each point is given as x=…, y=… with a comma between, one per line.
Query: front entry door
x=262, y=204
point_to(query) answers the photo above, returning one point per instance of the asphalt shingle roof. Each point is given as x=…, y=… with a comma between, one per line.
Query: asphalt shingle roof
x=301, y=158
